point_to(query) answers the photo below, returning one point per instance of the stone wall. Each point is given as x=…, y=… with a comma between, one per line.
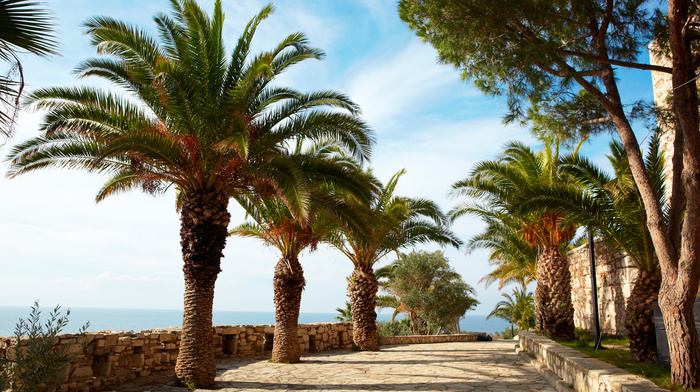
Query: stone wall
x=420, y=339
x=111, y=357
x=615, y=275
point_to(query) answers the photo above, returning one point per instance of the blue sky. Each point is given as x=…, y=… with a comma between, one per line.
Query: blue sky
x=58, y=246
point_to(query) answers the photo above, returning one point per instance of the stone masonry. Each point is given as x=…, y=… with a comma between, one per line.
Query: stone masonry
x=662, y=85
x=615, y=275
x=111, y=357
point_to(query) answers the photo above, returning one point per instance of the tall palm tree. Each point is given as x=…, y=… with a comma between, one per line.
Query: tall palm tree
x=613, y=206
x=517, y=309
x=334, y=177
x=395, y=222
x=499, y=187
x=209, y=126
x=24, y=27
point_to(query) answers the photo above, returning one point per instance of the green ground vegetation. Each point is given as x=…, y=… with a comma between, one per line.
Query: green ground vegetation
x=617, y=353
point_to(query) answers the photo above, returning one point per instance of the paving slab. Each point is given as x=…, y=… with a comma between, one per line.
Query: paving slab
x=466, y=366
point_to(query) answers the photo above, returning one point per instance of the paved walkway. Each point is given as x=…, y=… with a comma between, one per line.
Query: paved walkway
x=473, y=366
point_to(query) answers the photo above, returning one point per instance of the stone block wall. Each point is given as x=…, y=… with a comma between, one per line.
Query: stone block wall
x=615, y=275
x=420, y=339
x=111, y=357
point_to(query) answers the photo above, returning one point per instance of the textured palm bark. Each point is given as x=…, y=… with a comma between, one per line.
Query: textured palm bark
x=639, y=317
x=362, y=290
x=204, y=220
x=541, y=296
x=556, y=308
x=288, y=284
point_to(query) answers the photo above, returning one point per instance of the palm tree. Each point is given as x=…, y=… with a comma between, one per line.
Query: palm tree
x=24, y=26
x=344, y=314
x=499, y=187
x=514, y=258
x=613, y=206
x=335, y=177
x=517, y=309
x=390, y=299
x=210, y=127
x=395, y=222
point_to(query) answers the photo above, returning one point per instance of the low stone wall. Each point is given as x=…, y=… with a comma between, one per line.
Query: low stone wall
x=111, y=357
x=615, y=276
x=419, y=339
x=586, y=374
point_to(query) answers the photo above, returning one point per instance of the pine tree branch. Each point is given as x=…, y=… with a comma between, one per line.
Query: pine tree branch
x=628, y=64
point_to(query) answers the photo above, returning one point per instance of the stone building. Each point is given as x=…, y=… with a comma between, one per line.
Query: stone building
x=662, y=89
x=615, y=275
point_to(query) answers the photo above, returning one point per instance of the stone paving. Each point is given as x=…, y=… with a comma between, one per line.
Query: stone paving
x=470, y=366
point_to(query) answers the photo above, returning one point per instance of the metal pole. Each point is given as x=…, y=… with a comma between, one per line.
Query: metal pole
x=594, y=290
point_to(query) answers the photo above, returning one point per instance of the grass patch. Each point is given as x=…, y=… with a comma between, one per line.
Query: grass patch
x=617, y=354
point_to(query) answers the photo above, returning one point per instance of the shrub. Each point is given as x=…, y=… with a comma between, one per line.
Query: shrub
x=397, y=328
x=42, y=361
x=507, y=333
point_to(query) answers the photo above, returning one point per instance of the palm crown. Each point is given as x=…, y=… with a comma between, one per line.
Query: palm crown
x=514, y=259
x=611, y=205
x=24, y=26
x=197, y=121
x=333, y=178
x=396, y=222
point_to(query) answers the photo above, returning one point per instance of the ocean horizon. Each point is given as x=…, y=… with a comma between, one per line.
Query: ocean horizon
x=102, y=319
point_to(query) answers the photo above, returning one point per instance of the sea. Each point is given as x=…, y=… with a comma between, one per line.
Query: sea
x=102, y=319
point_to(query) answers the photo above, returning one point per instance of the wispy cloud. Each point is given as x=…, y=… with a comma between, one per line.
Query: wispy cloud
x=401, y=84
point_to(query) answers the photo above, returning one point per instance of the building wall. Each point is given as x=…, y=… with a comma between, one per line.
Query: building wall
x=662, y=86
x=615, y=275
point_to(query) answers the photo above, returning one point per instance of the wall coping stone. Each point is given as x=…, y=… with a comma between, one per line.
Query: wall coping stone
x=586, y=374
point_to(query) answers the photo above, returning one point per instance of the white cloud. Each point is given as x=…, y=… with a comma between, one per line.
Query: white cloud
x=400, y=84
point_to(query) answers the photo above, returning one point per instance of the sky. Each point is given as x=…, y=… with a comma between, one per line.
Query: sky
x=57, y=245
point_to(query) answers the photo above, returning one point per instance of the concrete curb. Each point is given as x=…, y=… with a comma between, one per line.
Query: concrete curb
x=554, y=380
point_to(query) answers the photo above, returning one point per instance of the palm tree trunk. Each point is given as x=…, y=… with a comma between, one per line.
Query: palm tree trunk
x=639, y=316
x=203, y=230
x=362, y=290
x=288, y=284
x=541, y=295
x=556, y=307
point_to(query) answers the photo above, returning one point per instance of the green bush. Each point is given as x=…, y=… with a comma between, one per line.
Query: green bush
x=397, y=328
x=42, y=361
x=507, y=333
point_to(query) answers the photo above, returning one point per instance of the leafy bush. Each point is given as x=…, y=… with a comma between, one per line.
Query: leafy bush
x=397, y=328
x=42, y=361
x=507, y=333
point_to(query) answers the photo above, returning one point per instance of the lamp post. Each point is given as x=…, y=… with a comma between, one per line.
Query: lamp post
x=594, y=291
